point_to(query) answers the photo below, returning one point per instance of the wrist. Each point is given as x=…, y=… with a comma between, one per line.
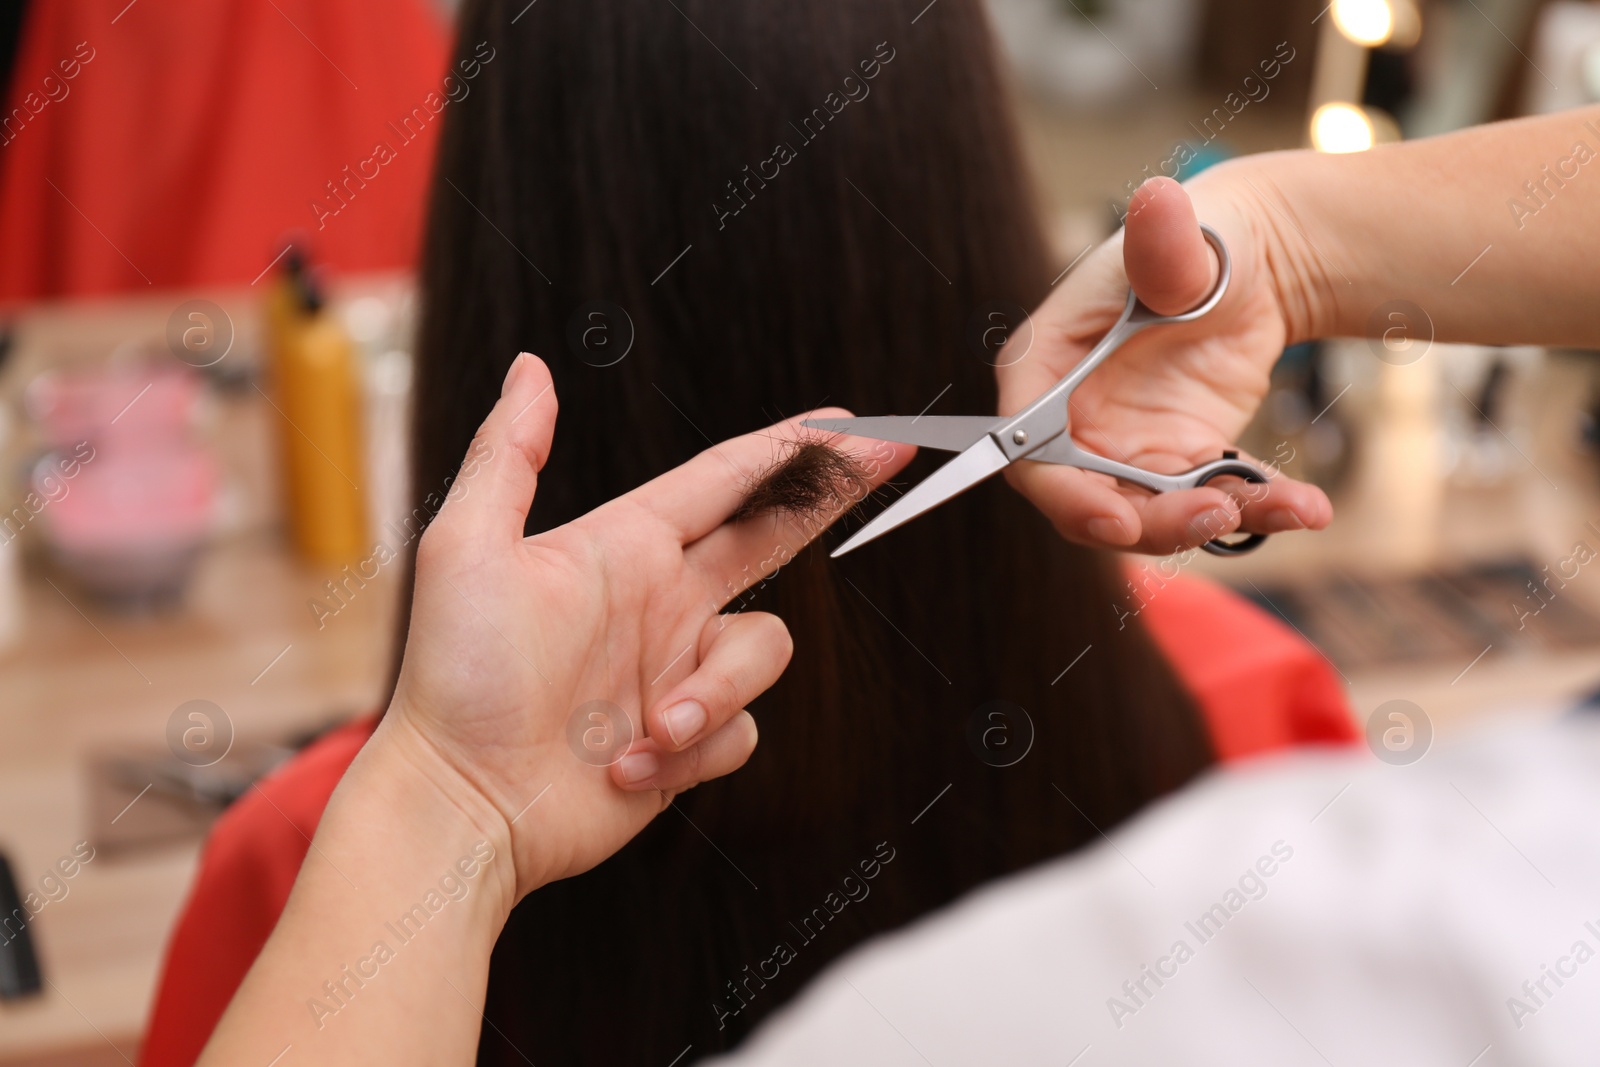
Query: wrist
x=1260, y=199
x=404, y=892
x=408, y=789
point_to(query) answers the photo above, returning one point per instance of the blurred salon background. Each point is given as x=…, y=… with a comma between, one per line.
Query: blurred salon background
x=209, y=219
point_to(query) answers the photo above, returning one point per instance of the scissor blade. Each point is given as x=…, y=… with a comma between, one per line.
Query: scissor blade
x=949, y=433
x=962, y=473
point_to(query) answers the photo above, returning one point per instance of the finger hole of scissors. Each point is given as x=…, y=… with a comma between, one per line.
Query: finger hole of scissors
x=1143, y=316
x=1249, y=475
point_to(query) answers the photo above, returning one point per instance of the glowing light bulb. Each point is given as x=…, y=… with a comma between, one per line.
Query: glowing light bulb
x=1369, y=23
x=1341, y=128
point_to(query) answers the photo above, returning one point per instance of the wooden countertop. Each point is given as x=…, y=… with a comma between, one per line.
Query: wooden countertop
x=73, y=688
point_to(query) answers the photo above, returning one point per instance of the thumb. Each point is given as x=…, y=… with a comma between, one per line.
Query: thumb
x=493, y=489
x=1167, y=259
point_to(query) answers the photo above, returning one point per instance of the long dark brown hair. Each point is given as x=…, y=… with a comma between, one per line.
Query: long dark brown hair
x=768, y=207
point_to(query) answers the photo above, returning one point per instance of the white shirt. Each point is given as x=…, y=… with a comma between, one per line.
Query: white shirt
x=1314, y=908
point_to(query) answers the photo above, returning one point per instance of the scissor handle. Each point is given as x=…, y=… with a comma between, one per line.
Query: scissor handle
x=1225, y=467
x=1065, y=451
x=1047, y=417
x=1136, y=314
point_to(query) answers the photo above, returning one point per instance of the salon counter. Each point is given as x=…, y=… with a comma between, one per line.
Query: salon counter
x=82, y=683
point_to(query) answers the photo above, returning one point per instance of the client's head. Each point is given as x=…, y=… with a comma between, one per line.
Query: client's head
x=706, y=215
x=710, y=215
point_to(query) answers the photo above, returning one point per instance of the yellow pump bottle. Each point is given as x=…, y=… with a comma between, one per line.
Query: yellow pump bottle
x=316, y=388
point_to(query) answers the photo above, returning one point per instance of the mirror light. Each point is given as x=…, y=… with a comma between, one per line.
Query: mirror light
x=1369, y=23
x=1341, y=127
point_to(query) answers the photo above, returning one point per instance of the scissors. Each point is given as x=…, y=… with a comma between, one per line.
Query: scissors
x=1039, y=432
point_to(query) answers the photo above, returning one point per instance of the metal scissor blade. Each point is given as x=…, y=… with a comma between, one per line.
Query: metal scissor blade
x=962, y=473
x=948, y=433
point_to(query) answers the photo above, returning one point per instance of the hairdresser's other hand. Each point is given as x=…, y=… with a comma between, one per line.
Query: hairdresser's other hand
x=561, y=689
x=1174, y=396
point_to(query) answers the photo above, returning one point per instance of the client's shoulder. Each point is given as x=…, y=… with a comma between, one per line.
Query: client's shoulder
x=287, y=804
x=1195, y=618
x=1261, y=685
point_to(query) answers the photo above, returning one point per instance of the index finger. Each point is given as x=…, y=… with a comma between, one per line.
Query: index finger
x=699, y=496
x=736, y=555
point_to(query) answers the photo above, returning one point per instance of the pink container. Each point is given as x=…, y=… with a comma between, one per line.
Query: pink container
x=128, y=497
x=144, y=404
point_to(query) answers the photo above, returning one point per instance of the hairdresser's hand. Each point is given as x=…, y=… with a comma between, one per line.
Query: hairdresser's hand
x=531, y=661
x=1174, y=396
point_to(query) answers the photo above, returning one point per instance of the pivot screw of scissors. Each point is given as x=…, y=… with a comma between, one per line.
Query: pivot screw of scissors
x=1020, y=437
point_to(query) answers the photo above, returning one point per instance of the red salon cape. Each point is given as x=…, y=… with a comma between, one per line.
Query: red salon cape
x=169, y=144
x=1259, y=686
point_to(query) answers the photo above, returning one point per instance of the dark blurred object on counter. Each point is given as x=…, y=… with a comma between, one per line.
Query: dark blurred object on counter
x=19, y=964
x=1498, y=609
x=177, y=799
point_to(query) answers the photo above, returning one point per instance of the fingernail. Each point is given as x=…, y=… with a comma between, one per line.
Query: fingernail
x=684, y=721
x=1280, y=519
x=511, y=375
x=1109, y=531
x=639, y=767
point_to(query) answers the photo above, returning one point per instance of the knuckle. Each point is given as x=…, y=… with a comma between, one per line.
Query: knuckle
x=751, y=734
x=768, y=633
x=780, y=640
x=691, y=765
x=533, y=449
x=722, y=691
